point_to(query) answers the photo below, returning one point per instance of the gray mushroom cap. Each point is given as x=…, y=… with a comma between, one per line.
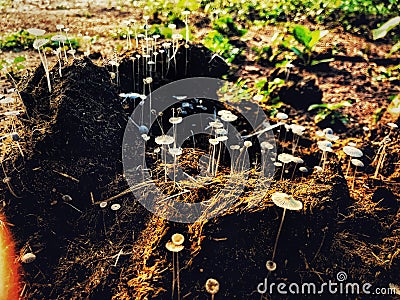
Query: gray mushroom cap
x=286, y=201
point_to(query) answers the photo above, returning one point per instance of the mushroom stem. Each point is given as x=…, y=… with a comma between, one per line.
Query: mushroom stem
x=279, y=232
x=283, y=170
x=354, y=179
x=173, y=274
x=348, y=167
x=177, y=276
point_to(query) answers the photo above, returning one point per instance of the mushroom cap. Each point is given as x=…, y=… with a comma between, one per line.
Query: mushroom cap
x=175, y=120
x=327, y=131
x=173, y=248
x=277, y=164
x=216, y=124
x=297, y=160
x=248, y=144
x=266, y=145
x=229, y=117
x=175, y=151
x=115, y=207
x=36, y=31
x=286, y=201
x=358, y=163
x=148, y=80
x=303, y=169
x=145, y=137
x=27, y=258
x=59, y=38
x=66, y=198
x=281, y=116
x=392, y=125
x=318, y=169
x=143, y=129
x=213, y=141
x=223, y=112
x=270, y=265
x=221, y=131
x=222, y=138
x=164, y=140
x=325, y=146
x=234, y=147
x=297, y=129
x=186, y=12
x=285, y=158
x=331, y=137
x=103, y=204
x=177, y=239
x=212, y=286
x=352, y=151
x=40, y=43
x=177, y=36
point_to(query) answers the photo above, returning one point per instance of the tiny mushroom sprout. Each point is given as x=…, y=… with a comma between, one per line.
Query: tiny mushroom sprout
x=234, y=148
x=285, y=158
x=227, y=116
x=212, y=287
x=28, y=258
x=175, y=152
x=246, y=144
x=164, y=140
x=211, y=167
x=175, y=246
x=353, y=152
x=325, y=146
x=115, y=207
x=284, y=201
x=177, y=239
x=60, y=38
x=281, y=116
x=37, y=44
x=358, y=164
x=298, y=131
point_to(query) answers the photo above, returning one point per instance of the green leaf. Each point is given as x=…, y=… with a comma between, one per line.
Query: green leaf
x=297, y=52
x=395, y=48
x=19, y=59
x=317, y=106
x=381, y=32
x=302, y=34
x=321, y=61
x=315, y=37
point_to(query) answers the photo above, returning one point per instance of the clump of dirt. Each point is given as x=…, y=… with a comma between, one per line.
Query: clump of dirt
x=75, y=136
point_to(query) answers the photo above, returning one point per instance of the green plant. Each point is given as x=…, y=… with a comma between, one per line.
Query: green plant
x=221, y=45
x=226, y=26
x=23, y=40
x=384, y=29
x=308, y=39
x=329, y=111
x=13, y=67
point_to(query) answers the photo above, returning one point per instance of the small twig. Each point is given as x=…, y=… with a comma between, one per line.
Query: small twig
x=66, y=175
